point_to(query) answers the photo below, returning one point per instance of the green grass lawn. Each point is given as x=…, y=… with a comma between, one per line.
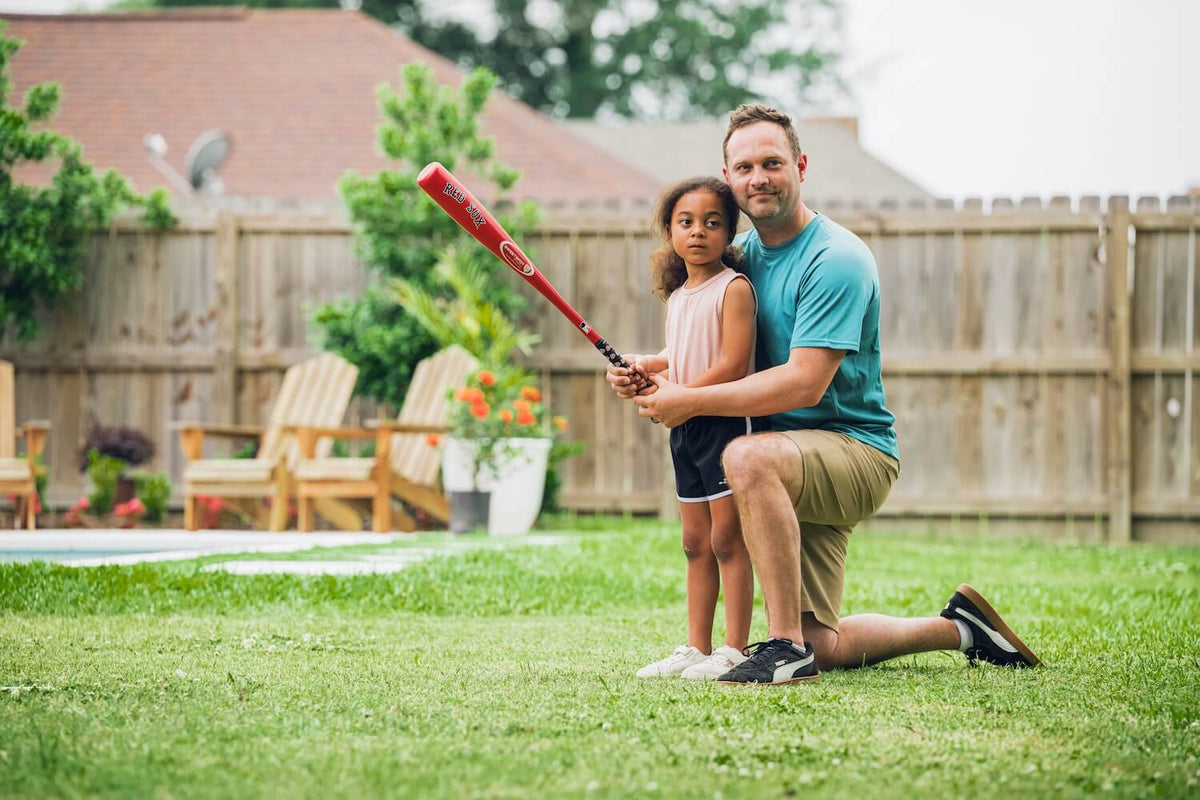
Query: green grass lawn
x=509, y=673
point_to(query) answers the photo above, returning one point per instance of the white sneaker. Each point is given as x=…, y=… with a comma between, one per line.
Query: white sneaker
x=683, y=657
x=723, y=659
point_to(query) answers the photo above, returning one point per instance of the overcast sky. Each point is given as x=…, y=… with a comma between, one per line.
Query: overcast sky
x=976, y=97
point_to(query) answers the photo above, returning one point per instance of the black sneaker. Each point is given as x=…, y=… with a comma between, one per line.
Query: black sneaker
x=993, y=641
x=774, y=661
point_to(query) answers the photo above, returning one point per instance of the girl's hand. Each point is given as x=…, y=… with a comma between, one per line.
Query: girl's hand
x=625, y=382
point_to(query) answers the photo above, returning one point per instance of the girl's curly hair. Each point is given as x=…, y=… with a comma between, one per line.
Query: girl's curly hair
x=667, y=270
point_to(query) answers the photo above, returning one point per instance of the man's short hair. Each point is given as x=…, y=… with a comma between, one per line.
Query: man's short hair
x=750, y=113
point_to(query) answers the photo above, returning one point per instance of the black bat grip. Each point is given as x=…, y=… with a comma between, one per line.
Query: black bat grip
x=617, y=360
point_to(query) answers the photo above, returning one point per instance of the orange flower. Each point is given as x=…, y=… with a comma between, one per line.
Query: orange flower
x=432, y=440
x=521, y=405
x=469, y=394
x=486, y=378
x=480, y=409
x=526, y=418
x=531, y=394
x=506, y=416
x=560, y=423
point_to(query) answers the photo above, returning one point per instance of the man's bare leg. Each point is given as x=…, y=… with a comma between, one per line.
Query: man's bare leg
x=870, y=638
x=765, y=473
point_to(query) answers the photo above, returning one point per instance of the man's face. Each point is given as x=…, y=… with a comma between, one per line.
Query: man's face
x=763, y=173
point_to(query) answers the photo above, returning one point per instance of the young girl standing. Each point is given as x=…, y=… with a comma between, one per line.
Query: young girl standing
x=710, y=339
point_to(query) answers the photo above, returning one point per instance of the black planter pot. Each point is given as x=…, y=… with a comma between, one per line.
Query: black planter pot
x=126, y=490
x=469, y=511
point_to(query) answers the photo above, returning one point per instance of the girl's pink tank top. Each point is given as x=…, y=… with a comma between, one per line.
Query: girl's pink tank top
x=694, y=327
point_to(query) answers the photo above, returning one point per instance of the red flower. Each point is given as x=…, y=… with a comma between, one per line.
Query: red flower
x=506, y=416
x=82, y=503
x=486, y=378
x=463, y=395
x=526, y=418
x=522, y=405
x=531, y=394
x=433, y=440
x=480, y=409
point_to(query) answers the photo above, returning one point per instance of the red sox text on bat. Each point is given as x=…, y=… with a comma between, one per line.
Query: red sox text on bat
x=460, y=196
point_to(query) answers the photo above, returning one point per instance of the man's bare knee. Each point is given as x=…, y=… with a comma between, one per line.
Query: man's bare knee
x=749, y=461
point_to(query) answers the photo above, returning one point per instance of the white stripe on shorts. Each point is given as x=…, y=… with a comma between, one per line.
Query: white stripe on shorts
x=716, y=496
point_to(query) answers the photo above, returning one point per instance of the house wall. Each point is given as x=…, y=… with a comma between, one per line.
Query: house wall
x=1043, y=370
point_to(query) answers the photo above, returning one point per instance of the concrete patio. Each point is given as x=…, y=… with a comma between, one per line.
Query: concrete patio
x=95, y=547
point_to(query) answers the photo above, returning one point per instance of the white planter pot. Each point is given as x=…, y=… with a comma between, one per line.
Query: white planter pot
x=516, y=492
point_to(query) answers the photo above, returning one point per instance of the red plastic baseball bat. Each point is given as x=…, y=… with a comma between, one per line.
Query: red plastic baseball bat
x=449, y=193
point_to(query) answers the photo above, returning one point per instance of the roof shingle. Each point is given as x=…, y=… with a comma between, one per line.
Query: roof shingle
x=295, y=88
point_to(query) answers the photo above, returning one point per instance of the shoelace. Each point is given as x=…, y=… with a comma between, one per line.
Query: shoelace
x=761, y=652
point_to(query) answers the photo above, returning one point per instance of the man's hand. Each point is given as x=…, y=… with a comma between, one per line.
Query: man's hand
x=667, y=402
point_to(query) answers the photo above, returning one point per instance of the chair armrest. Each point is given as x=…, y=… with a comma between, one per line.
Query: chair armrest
x=191, y=435
x=404, y=427
x=218, y=429
x=307, y=435
x=334, y=432
x=34, y=432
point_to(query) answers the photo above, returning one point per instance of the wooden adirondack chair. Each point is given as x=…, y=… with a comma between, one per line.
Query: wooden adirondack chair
x=315, y=392
x=404, y=464
x=18, y=476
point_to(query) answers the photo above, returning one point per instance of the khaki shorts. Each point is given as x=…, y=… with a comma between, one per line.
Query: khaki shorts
x=845, y=481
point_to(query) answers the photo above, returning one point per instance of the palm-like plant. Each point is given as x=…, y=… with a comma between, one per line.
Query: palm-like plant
x=466, y=318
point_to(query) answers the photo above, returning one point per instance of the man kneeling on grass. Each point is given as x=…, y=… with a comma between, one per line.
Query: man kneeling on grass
x=826, y=456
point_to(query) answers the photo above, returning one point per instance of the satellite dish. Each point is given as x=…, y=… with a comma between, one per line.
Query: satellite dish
x=205, y=157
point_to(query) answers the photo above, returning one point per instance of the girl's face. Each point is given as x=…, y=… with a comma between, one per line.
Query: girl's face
x=699, y=228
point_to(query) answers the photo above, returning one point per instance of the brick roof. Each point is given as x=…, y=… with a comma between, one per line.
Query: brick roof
x=295, y=88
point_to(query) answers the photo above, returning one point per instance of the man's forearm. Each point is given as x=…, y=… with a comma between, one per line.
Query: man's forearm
x=772, y=391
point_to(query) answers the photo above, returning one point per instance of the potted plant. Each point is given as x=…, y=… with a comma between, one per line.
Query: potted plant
x=502, y=435
x=495, y=460
x=119, y=495
x=106, y=445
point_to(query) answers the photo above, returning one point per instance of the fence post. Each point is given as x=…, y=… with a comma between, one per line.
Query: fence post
x=224, y=392
x=1120, y=407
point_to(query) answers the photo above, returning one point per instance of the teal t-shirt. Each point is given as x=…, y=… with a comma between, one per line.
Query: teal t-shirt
x=821, y=289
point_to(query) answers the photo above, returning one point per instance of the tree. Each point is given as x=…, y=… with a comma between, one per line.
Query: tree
x=402, y=233
x=667, y=59
x=43, y=230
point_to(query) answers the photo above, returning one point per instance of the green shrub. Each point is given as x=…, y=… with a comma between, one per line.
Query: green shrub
x=104, y=471
x=154, y=490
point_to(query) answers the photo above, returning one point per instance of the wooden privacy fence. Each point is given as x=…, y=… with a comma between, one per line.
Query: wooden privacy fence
x=1041, y=360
